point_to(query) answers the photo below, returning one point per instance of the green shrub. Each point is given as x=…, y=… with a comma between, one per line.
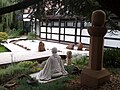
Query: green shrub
x=3, y=36
x=31, y=36
x=69, y=68
x=111, y=58
x=15, y=70
x=26, y=64
x=80, y=61
x=15, y=33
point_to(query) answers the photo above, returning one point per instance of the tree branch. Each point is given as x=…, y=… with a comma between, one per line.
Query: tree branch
x=18, y=6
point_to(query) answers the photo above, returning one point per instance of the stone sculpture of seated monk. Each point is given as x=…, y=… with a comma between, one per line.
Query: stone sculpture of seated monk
x=54, y=67
x=41, y=46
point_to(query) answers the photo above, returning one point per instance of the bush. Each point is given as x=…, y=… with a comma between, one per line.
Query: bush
x=15, y=33
x=111, y=58
x=26, y=64
x=80, y=61
x=3, y=36
x=31, y=36
x=15, y=70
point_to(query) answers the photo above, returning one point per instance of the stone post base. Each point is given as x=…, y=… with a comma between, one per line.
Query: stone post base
x=93, y=78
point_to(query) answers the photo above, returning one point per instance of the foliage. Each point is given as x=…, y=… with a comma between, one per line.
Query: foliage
x=1, y=27
x=68, y=83
x=26, y=64
x=112, y=58
x=55, y=85
x=2, y=88
x=31, y=36
x=9, y=20
x=22, y=67
x=15, y=33
x=3, y=36
x=16, y=69
x=80, y=61
x=114, y=71
x=60, y=84
x=69, y=68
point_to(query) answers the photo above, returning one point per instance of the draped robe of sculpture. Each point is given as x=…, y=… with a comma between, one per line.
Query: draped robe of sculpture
x=53, y=68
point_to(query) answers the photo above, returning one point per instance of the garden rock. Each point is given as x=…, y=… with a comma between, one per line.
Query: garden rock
x=70, y=46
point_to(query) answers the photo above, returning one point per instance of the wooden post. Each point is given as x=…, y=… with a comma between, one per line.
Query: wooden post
x=95, y=75
x=59, y=28
x=35, y=27
x=81, y=28
x=76, y=22
x=51, y=29
x=46, y=29
x=39, y=29
x=64, y=30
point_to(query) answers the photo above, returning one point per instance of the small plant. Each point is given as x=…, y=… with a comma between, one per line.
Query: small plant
x=31, y=36
x=3, y=36
x=112, y=58
x=79, y=61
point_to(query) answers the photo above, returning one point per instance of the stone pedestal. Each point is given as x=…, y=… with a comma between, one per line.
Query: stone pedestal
x=93, y=78
x=95, y=75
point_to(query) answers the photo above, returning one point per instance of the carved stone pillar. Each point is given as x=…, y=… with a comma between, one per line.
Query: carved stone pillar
x=95, y=75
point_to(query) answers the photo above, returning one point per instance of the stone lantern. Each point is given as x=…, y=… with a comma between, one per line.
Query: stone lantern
x=95, y=75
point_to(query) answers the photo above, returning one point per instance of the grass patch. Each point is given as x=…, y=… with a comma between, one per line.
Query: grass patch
x=13, y=71
x=55, y=85
x=3, y=49
x=60, y=84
